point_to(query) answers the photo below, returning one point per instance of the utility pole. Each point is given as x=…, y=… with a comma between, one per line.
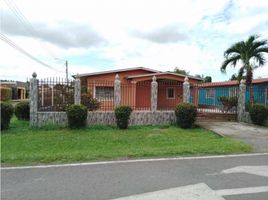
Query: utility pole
x=66, y=64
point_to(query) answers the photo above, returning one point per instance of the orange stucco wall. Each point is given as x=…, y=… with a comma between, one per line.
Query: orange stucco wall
x=143, y=96
x=163, y=102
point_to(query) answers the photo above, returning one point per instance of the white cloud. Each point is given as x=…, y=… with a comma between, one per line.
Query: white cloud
x=190, y=34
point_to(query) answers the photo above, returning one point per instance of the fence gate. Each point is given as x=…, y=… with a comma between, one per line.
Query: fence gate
x=217, y=103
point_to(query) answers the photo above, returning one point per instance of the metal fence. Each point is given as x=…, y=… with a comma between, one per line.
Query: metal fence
x=217, y=99
x=260, y=95
x=55, y=94
x=102, y=93
x=170, y=93
x=136, y=95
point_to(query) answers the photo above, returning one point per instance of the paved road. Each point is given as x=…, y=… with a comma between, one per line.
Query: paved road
x=122, y=179
x=257, y=136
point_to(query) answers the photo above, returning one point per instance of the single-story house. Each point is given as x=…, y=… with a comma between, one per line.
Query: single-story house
x=19, y=89
x=210, y=92
x=136, y=87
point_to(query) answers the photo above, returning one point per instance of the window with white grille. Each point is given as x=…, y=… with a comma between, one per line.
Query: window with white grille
x=104, y=92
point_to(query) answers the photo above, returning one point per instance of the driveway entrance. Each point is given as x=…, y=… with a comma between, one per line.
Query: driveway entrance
x=255, y=135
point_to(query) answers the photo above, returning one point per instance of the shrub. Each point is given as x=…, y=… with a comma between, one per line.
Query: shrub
x=77, y=116
x=91, y=103
x=228, y=102
x=122, y=115
x=185, y=114
x=258, y=114
x=22, y=110
x=6, y=114
x=6, y=94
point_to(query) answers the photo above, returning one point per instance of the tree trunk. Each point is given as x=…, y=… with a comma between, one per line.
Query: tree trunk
x=251, y=92
x=249, y=83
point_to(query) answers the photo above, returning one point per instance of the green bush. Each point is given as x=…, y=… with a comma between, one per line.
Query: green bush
x=22, y=110
x=258, y=114
x=228, y=102
x=91, y=103
x=185, y=114
x=122, y=115
x=6, y=94
x=6, y=114
x=77, y=116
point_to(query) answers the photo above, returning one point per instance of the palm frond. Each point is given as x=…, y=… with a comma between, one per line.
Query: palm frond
x=235, y=49
x=260, y=59
x=251, y=39
x=257, y=45
x=231, y=60
x=261, y=50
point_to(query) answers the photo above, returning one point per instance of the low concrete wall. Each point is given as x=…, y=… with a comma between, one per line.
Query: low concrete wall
x=136, y=118
x=44, y=118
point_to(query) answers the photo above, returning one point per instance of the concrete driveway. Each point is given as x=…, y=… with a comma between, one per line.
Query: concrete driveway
x=255, y=135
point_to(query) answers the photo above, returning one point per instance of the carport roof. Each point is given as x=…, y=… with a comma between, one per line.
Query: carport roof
x=231, y=83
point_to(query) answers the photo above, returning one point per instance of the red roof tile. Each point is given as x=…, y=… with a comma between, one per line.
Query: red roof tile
x=229, y=83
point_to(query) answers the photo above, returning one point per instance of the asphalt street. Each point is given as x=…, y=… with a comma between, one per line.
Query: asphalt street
x=230, y=178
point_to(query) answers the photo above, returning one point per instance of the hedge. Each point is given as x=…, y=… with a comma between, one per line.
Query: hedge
x=6, y=114
x=22, y=110
x=185, y=114
x=122, y=115
x=6, y=94
x=258, y=114
x=77, y=116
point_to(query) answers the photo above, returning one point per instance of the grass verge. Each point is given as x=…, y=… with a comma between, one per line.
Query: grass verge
x=22, y=145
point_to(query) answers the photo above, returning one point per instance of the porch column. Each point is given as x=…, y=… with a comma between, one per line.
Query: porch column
x=117, y=90
x=154, y=88
x=33, y=100
x=77, y=90
x=241, y=101
x=186, y=90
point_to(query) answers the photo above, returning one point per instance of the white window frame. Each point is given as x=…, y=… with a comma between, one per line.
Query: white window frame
x=104, y=99
x=174, y=95
x=209, y=96
x=232, y=92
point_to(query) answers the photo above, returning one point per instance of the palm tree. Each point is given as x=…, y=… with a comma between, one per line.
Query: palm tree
x=250, y=54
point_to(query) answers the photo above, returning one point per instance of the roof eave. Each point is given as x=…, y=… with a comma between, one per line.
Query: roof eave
x=116, y=71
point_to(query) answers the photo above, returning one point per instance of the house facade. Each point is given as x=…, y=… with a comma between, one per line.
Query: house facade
x=209, y=93
x=18, y=89
x=136, y=88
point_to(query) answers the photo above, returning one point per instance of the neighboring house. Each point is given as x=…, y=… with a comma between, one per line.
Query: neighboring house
x=18, y=88
x=210, y=92
x=136, y=87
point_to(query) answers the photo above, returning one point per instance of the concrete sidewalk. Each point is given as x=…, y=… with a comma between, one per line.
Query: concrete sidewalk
x=255, y=135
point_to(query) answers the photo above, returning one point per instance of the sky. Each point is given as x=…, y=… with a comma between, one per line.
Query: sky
x=97, y=35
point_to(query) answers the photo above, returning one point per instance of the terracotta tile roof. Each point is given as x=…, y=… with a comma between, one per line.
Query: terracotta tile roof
x=230, y=83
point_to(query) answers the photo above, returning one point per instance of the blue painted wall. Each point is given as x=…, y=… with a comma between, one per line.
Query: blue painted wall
x=260, y=95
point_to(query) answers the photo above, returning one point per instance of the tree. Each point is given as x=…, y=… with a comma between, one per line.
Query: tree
x=235, y=77
x=251, y=55
x=181, y=71
x=207, y=79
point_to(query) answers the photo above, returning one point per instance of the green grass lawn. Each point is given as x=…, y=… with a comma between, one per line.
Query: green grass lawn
x=23, y=145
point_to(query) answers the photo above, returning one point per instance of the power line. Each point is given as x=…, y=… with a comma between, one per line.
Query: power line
x=29, y=27
x=12, y=44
